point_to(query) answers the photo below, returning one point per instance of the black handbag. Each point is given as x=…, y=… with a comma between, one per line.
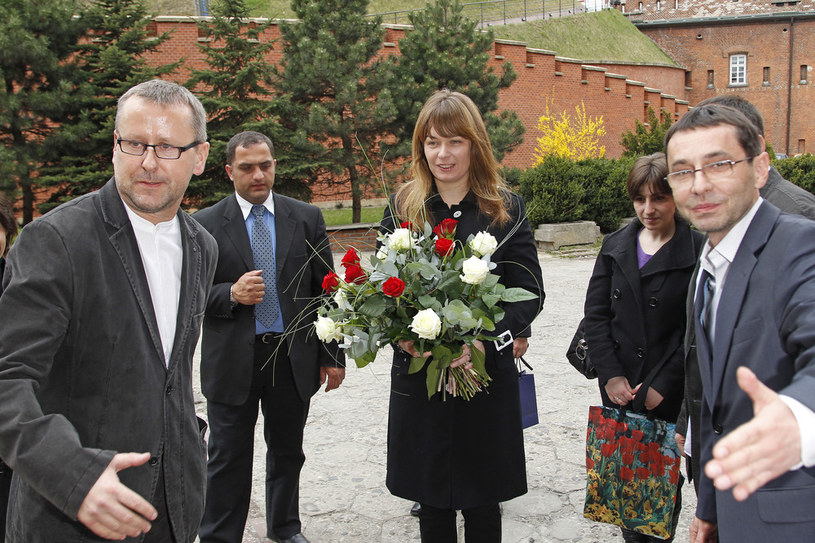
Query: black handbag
x=529, y=402
x=578, y=354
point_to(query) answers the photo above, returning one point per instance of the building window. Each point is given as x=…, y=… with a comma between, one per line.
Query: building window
x=710, y=79
x=688, y=79
x=802, y=147
x=804, y=76
x=738, y=69
x=640, y=8
x=659, y=5
x=766, y=81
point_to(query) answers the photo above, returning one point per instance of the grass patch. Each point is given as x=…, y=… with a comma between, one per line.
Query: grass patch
x=602, y=35
x=337, y=217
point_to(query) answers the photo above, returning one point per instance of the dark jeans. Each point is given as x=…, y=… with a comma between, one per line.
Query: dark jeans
x=481, y=524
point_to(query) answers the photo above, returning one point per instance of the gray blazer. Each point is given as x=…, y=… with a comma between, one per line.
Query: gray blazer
x=765, y=321
x=787, y=196
x=82, y=371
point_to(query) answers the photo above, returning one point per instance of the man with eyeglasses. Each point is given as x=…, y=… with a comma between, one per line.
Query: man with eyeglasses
x=100, y=316
x=754, y=315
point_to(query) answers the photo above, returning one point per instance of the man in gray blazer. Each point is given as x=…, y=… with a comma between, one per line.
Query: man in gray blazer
x=103, y=302
x=259, y=347
x=755, y=334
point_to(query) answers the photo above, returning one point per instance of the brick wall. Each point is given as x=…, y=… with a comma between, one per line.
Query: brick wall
x=653, y=10
x=776, y=48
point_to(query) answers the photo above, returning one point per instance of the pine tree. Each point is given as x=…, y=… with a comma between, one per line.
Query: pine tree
x=445, y=49
x=646, y=140
x=235, y=89
x=112, y=59
x=40, y=84
x=335, y=90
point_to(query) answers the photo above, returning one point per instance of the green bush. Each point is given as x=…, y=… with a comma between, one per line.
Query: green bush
x=561, y=190
x=799, y=170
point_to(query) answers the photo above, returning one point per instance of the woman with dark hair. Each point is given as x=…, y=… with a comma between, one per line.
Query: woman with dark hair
x=451, y=454
x=635, y=302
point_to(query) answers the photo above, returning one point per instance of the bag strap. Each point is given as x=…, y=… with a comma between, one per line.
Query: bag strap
x=520, y=361
x=639, y=400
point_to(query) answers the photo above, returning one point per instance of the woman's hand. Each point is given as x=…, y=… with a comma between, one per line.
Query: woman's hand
x=619, y=391
x=519, y=347
x=466, y=355
x=652, y=399
x=410, y=349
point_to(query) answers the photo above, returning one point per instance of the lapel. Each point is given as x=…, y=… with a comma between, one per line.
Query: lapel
x=285, y=227
x=234, y=226
x=123, y=239
x=191, y=279
x=735, y=289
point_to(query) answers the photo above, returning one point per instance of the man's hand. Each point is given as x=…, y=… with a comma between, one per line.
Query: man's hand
x=334, y=376
x=519, y=347
x=759, y=450
x=680, y=442
x=249, y=289
x=702, y=531
x=113, y=511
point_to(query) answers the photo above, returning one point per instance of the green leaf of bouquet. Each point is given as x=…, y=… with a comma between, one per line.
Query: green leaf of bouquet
x=374, y=306
x=490, y=281
x=427, y=270
x=451, y=282
x=416, y=364
x=478, y=360
x=499, y=315
x=364, y=359
x=432, y=381
x=457, y=314
x=487, y=324
x=429, y=302
x=516, y=294
x=443, y=356
x=491, y=299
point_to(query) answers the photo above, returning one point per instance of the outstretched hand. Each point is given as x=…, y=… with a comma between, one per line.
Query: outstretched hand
x=113, y=511
x=759, y=450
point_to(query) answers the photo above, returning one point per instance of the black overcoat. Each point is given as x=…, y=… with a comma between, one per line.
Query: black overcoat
x=458, y=454
x=632, y=314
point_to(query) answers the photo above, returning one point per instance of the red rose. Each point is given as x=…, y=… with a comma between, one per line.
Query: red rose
x=444, y=246
x=355, y=274
x=407, y=224
x=330, y=282
x=393, y=287
x=351, y=258
x=446, y=228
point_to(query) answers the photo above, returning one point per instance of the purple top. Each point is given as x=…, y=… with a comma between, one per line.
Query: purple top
x=642, y=256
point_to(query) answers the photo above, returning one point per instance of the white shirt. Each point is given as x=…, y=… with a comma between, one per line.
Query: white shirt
x=161, y=255
x=717, y=260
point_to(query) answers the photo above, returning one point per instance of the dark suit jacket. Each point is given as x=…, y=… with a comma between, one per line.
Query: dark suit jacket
x=766, y=321
x=631, y=315
x=303, y=258
x=787, y=196
x=82, y=370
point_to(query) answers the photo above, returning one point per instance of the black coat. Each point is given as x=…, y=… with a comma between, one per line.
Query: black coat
x=458, y=454
x=632, y=314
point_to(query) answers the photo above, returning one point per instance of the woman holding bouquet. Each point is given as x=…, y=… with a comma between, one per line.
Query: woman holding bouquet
x=446, y=453
x=635, y=302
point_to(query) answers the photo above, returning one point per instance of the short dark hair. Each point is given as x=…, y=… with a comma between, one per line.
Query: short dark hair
x=246, y=139
x=737, y=102
x=8, y=222
x=649, y=170
x=715, y=115
x=167, y=93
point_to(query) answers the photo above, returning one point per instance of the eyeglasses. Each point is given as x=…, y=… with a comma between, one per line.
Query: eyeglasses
x=713, y=171
x=162, y=150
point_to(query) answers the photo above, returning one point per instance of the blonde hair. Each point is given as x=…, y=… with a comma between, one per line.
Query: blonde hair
x=453, y=114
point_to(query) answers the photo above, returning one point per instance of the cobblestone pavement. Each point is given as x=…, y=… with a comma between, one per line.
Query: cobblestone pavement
x=342, y=491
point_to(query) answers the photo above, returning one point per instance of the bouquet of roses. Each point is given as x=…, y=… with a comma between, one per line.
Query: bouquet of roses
x=425, y=287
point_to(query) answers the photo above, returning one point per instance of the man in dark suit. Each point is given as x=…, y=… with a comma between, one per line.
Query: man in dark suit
x=99, y=320
x=259, y=345
x=785, y=196
x=755, y=322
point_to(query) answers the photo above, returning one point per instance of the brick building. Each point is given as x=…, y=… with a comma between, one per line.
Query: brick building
x=761, y=50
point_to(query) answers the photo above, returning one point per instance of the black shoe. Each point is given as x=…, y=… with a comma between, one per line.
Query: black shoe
x=296, y=538
x=416, y=510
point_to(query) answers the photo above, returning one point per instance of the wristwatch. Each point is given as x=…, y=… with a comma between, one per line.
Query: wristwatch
x=232, y=302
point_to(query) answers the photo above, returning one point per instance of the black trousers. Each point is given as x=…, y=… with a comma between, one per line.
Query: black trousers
x=481, y=524
x=160, y=530
x=231, y=449
x=5, y=484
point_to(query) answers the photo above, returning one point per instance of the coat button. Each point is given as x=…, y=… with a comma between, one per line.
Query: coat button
x=457, y=214
x=169, y=389
x=717, y=429
x=653, y=302
x=616, y=345
x=616, y=294
x=153, y=461
x=640, y=352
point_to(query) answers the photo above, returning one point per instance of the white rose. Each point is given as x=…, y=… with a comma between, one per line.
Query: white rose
x=340, y=298
x=475, y=271
x=382, y=252
x=327, y=330
x=484, y=244
x=426, y=324
x=400, y=240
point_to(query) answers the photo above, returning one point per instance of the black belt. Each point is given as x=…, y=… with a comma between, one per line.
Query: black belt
x=269, y=337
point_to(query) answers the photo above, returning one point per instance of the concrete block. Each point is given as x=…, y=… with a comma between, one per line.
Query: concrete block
x=554, y=236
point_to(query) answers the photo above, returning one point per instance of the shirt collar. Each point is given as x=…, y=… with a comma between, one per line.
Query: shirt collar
x=143, y=225
x=246, y=205
x=726, y=249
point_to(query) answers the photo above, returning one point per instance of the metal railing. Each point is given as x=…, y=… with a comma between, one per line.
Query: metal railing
x=492, y=12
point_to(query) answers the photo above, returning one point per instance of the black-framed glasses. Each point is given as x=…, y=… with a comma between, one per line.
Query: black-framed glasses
x=713, y=171
x=162, y=150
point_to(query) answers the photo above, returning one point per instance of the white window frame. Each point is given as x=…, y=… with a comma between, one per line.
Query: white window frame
x=738, y=70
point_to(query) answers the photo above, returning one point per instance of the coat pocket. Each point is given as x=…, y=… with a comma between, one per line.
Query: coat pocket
x=786, y=505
